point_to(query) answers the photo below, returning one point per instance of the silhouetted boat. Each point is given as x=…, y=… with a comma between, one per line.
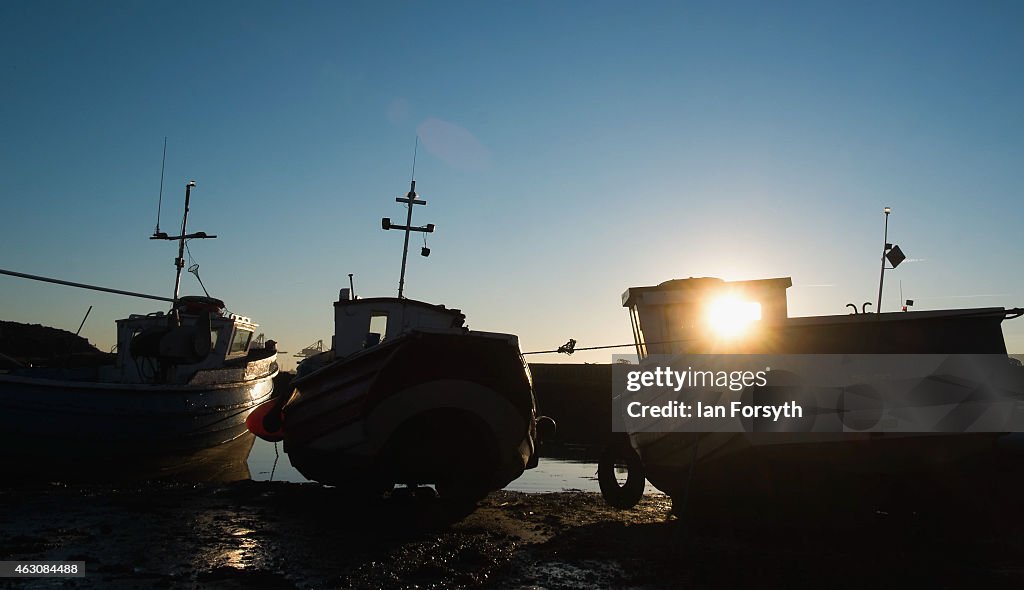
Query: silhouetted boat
x=180, y=381
x=408, y=395
x=670, y=319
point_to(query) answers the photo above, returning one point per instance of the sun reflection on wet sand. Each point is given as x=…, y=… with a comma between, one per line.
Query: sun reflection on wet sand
x=244, y=554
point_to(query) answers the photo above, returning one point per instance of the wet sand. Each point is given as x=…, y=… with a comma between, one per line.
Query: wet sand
x=286, y=535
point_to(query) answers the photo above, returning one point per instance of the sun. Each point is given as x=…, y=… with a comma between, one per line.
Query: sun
x=730, y=317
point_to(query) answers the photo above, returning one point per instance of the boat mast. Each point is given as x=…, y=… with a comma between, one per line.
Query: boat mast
x=410, y=199
x=885, y=248
x=179, y=262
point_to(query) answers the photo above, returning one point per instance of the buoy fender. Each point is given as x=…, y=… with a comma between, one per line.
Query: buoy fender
x=266, y=421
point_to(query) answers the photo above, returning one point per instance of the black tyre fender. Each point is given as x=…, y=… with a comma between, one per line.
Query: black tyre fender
x=629, y=494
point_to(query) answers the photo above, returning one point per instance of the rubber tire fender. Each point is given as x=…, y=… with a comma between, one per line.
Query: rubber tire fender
x=627, y=495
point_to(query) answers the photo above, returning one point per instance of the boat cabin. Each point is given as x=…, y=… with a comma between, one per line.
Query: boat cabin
x=363, y=323
x=676, y=316
x=708, y=315
x=205, y=336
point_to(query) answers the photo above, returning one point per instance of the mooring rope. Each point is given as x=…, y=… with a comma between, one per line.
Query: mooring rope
x=570, y=346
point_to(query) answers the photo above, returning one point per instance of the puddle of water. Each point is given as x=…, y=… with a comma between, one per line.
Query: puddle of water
x=551, y=475
x=557, y=475
x=269, y=462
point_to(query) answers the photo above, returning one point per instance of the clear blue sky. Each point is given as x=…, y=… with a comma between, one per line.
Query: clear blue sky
x=569, y=150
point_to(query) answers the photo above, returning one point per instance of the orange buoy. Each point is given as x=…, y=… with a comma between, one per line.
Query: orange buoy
x=266, y=421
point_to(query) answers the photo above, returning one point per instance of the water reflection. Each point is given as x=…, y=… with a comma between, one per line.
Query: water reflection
x=269, y=462
x=553, y=474
x=243, y=554
x=248, y=457
x=557, y=475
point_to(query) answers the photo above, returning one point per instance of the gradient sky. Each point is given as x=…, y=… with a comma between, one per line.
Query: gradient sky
x=568, y=151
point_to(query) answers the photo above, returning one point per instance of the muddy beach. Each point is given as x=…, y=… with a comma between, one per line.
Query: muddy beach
x=285, y=535
x=231, y=532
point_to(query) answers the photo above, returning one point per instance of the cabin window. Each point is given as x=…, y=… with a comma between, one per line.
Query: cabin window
x=240, y=341
x=379, y=326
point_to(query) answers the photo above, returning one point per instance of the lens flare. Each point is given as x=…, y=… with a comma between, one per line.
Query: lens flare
x=730, y=316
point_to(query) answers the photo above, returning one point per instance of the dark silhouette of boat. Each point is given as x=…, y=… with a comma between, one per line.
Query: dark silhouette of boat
x=407, y=394
x=675, y=318
x=181, y=381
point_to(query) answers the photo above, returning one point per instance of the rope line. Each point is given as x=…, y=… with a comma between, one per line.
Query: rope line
x=566, y=349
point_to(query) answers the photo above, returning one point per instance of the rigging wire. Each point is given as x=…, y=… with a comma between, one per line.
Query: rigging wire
x=566, y=349
x=562, y=349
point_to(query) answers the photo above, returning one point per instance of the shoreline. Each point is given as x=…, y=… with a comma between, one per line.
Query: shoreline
x=286, y=535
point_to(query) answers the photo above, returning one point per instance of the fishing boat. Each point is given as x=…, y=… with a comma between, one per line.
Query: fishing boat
x=407, y=394
x=708, y=316
x=182, y=380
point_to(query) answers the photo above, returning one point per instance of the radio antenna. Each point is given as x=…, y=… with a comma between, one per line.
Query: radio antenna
x=160, y=199
x=410, y=200
x=415, y=149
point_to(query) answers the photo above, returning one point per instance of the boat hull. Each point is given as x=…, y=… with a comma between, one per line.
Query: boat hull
x=779, y=459
x=446, y=409
x=70, y=420
x=831, y=478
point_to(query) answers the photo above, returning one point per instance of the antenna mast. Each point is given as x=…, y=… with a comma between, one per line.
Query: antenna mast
x=179, y=262
x=885, y=248
x=410, y=199
x=160, y=199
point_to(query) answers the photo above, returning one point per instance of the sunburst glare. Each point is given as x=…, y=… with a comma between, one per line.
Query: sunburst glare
x=730, y=317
